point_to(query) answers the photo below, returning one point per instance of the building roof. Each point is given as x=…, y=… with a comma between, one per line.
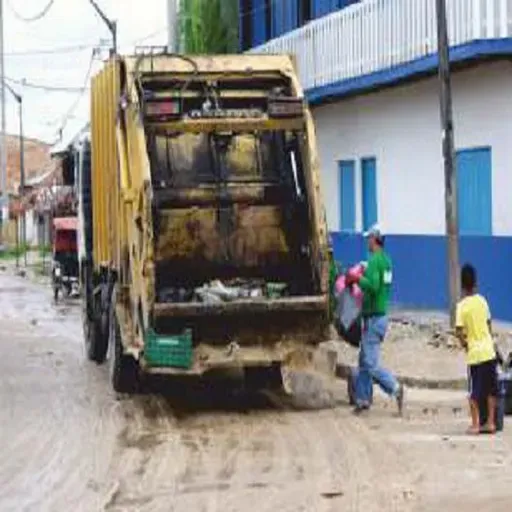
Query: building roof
x=37, y=160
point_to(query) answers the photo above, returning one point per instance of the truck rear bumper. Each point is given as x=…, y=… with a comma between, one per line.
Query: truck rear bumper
x=209, y=358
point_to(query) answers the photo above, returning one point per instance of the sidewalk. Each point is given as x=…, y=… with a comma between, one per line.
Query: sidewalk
x=420, y=349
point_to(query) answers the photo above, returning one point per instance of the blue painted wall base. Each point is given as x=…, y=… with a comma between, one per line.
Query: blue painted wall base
x=420, y=268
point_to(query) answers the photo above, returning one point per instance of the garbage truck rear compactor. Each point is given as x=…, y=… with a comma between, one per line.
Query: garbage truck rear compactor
x=209, y=245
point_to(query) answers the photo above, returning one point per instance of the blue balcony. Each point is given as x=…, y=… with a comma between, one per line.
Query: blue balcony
x=375, y=43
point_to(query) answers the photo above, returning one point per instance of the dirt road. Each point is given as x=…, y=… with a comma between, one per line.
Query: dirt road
x=68, y=443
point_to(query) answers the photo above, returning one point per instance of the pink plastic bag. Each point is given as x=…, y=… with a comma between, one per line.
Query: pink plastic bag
x=340, y=284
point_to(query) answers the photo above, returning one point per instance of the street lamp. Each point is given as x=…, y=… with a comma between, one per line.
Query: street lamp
x=111, y=24
x=19, y=99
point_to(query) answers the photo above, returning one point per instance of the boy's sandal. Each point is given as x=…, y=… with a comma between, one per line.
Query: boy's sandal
x=488, y=430
x=471, y=431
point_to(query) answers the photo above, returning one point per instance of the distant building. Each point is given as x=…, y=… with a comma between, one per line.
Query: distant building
x=369, y=71
x=39, y=167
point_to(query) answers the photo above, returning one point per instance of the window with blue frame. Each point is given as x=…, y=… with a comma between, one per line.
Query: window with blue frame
x=474, y=191
x=347, y=195
x=322, y=7
x=261, y=20
x=285, y=17
x=369, y=191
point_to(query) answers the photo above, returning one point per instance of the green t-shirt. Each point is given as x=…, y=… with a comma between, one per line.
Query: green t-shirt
x=376, y=284
x=333, y=274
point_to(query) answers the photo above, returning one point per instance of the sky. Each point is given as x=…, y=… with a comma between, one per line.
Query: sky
x=57, y=50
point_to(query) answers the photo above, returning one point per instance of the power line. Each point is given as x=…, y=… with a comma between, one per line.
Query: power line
x=43, y=87
x=30, y=19
x=51, y=51
x=79, y=47
x=145, y=38
x=75, y=104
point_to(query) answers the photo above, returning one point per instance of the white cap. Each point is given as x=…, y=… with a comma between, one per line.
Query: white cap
x=375, y=231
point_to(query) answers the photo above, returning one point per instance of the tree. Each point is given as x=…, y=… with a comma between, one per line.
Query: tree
x=209, y=26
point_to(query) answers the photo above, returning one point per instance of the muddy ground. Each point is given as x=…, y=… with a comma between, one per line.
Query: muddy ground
x=69, y=443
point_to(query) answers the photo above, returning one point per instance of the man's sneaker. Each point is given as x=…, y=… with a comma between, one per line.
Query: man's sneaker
x=400, y=396
x=360, y=408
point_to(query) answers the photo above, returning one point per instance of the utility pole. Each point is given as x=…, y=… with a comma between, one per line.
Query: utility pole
x=450, y=171
x=173, y=13
x=19, y=99
x=111, y=24
x=3, y=145
x=22, y=179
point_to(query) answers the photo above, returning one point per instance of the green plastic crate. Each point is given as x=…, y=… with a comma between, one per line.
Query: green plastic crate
x=169, y=350
x=276, y=290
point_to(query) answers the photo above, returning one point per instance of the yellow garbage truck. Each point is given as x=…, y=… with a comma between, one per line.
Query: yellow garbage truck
x=202, y=232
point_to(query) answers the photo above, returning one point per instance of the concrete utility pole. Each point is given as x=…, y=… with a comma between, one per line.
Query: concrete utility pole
x=19, y=100
x=450, y=170
x=173, y=10
x=3, y=145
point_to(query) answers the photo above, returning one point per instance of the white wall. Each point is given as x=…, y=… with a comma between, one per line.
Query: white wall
x=401, y=128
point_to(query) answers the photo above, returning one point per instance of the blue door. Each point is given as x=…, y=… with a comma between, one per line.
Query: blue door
x=369, y=189
x=474, y=191
x=347, y=196
x=259, y=23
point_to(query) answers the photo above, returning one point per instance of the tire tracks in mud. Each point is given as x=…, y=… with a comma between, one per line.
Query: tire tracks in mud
x=284, y=460
x=69, y=443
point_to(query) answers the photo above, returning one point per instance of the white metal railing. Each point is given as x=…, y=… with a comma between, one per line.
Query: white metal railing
x=377, y=34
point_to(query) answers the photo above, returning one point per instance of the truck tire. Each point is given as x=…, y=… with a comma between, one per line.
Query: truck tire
x=96, y=342
x=124, y=369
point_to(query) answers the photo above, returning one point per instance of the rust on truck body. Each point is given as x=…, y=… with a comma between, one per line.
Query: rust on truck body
x=205, y=168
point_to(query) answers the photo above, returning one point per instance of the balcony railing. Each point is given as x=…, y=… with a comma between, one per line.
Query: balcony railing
x=375, y=35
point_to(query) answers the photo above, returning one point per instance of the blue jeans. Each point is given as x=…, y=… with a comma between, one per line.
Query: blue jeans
x=374, y=331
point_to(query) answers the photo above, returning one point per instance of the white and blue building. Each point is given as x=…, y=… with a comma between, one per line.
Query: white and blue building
x=369, y=69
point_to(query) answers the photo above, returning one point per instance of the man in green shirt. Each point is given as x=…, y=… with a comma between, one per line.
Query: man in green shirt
x=376, y=286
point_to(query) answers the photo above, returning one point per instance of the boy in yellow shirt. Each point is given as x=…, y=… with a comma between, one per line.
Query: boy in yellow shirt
x=473, y=324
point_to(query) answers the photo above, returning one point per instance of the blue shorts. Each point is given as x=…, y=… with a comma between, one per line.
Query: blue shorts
x=483, y=380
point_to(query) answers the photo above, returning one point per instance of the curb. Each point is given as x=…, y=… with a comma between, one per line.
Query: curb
x=343, y=371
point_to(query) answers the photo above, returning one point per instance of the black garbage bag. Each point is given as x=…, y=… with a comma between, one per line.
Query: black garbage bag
x=347, y=318
x=353, y=334
x=506, y=383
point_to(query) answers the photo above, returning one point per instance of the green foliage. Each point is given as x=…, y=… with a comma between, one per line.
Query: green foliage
x=45, y=250
x=209, y=26
x=14, y=251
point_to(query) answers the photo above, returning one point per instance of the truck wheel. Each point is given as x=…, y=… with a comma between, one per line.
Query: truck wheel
x=96, y=342
x=124, y=369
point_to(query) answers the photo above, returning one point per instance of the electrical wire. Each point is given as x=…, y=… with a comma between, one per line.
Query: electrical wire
x=30, y=19
x=43, y=87
x=79, y=47
x=75, y=104
x=51, y=51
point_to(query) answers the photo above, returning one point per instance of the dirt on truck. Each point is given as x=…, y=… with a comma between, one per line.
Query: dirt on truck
x=204, y=243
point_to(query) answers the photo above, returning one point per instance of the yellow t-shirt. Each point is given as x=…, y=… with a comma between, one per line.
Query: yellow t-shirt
x=472, y=316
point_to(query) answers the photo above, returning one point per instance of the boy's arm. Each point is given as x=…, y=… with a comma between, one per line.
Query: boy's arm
x=459, y=328
x=459, y=332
